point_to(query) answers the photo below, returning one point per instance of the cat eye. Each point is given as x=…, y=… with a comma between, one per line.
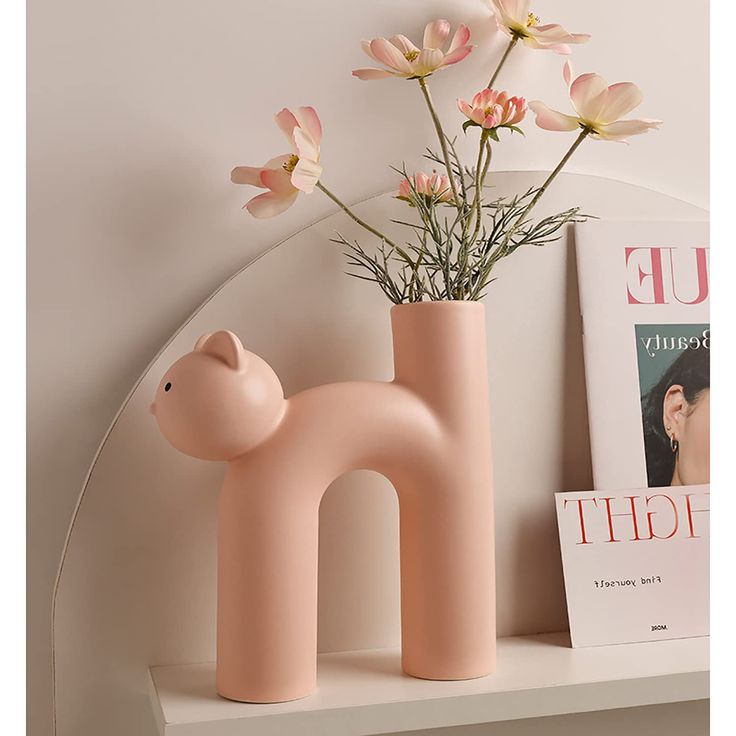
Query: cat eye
x=167, y=387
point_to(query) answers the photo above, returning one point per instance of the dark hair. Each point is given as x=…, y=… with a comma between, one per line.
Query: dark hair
x=691, y=370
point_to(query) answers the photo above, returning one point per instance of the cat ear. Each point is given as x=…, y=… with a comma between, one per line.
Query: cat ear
x=202, y=340
x=224, y=346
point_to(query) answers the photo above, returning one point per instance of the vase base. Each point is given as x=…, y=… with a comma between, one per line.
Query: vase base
x=264, y=700
x=450, y=678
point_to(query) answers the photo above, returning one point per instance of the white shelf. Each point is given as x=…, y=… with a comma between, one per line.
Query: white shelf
x=365, y=692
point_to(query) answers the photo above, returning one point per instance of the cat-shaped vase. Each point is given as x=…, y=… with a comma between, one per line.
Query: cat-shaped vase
x=427, y=431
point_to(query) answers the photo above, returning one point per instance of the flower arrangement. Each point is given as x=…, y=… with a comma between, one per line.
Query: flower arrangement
x=459, y=236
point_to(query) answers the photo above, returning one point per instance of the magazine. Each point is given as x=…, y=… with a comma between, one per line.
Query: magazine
x=644, y=298
x=635, y=563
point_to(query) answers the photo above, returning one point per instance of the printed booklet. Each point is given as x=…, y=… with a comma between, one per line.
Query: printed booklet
x=644, y=297
x=635, y=563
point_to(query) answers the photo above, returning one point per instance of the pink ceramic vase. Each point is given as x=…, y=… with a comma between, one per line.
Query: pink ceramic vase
x=427, y=431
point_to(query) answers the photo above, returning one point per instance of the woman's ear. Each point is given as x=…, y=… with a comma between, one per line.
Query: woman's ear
x=674, y=411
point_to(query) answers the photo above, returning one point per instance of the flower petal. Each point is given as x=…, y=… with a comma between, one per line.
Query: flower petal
x=489, y=122
x=515, y=10
x=553, y=33
x=464, y=107
x=483, y=98
x=436, y=33
x=622, y=98
x=277, y=180
x=504, y=28
x=270, y=204
x=563, y=49
x=549, y=119
x=588, y=94
x=287, y=122
x=306, y=175
x=510, y=14
x=550, y=34
x=456, y=55
x=305, y=145
x=309, y=121
x=519, y=110
x=277, y=162
x=250, y=175
x=366, y=46
x=403, y=44
x=388, y=54
x=367, y=74
x=428, y=61
x=421, y=183
x=567, y=73
x=461, y=38
x=622, y=129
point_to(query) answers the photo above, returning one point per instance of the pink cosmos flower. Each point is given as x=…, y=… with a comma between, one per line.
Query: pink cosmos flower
x=304, y=131
x=404, y=59
x=599, y=108
x=285, y=176
x=435, y=187
x=515, y=20
x=275, y=177
x=492, y=109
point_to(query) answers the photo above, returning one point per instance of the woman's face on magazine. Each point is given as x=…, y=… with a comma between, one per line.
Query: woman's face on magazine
x=693, y=457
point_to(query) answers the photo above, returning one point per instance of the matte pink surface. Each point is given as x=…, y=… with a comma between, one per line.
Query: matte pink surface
x=427, y=431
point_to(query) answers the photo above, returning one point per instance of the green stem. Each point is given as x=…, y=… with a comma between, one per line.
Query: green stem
x=480, y=175
x=486, y=164
x=459, y=166
x=442, y=139
x=505, y=56
x=355, y=217
x=404, y=255
x=584, y=133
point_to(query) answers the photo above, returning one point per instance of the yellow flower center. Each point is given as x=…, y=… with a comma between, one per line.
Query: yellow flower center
x=290, y=165
x=411, y=55
x=532, y=20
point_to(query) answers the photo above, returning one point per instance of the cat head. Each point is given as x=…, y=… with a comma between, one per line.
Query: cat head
x=219, y=401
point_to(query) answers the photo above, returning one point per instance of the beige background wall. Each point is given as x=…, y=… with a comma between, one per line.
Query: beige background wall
x=138, y=110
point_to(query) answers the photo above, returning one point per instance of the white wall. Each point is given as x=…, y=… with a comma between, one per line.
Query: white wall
x=138, y=110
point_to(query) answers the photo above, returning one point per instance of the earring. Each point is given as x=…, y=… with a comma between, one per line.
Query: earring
x=674, y=444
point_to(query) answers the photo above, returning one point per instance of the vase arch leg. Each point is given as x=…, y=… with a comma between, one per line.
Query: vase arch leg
x=267, y=594
x=448, y=608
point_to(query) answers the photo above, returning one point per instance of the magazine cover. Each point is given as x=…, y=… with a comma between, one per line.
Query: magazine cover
x=635, y=563
x=644, y=297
